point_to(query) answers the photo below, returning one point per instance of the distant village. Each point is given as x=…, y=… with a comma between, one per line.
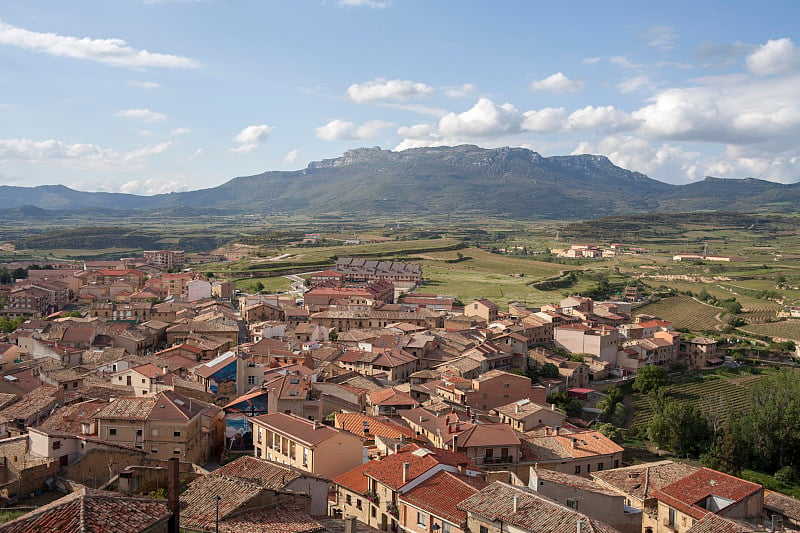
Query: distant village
x=143, y=397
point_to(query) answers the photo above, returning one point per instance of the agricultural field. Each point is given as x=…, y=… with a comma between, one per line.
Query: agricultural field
x=714, y=393
x=787, y=329
x=481, y=274
x=684, y=312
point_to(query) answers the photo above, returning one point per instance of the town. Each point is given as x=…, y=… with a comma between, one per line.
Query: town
x=165, y=399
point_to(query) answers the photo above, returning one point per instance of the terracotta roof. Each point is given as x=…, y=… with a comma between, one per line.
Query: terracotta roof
x=713, y=523
x=640, y=480
x=277, y=519
x=93, y=510
x=148, y=370
x=578, y=482
x=587, y=444
x=306, y=431
x=389, y=470
x=166, y=405
x=441, y=493
x=687, y=494
x=38, y=400
x=487, y=435
x=391, y=396
x=785, y=505
x=265, y=473
x=534, y=512
x=70, y=419
x=356, y=423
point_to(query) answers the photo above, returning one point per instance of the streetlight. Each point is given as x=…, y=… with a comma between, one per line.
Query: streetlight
x=216, y=500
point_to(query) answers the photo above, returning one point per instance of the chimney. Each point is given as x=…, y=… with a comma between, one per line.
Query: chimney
x=406, y=467
x=547, y=431
x=552, y=407
x=349, y=524
x=455, y=443
x=574, y=443
x=165, y=370
x=516, y=408
x=516, y=503
x=316, y=425
x=396, y=447
x=580, y=526
x=173, y=494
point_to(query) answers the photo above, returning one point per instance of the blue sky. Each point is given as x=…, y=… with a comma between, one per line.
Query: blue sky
x=150, y=96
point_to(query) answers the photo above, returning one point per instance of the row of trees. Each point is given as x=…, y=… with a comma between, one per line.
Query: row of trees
x=765, y=438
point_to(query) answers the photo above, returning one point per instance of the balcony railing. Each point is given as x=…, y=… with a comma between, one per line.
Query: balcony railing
x=498, y=460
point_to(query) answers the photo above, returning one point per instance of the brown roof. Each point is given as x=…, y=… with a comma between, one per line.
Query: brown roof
x=640, y=480
x=358, y=424
x=785, y=505
x=391, y=396
x=265, y=473
x=570, y=480
x=488, y=435
x=534, y=512
x=688, y=493
x=298, y=428
x=69, y=419
x=93, y=510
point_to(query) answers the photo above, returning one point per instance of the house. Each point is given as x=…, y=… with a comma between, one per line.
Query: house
x=638, y=483
x=578, y=452
x=434, y=502
x=484, y=309
x=502, y=507
x=490, y=390
x=684, y=502
x=305, y=444
x=166, y=425
x=144, y=379
x=700, y=352
x=392, y=364
x=489, y=446
x=387, y=402
x=588, y=497
x=217, y=371
x=275, y=476
x=370, y=491
x=602, y=342
x=525, y=415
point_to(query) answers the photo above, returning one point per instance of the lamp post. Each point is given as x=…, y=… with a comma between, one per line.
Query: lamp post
x=216, y=524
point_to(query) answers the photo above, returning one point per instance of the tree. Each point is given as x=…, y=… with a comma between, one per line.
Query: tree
x=650, y=378
x=682, y=428
x=258, y=286
x=549, y=371
x=572, y=406
x=333, y=335
x=610, y=431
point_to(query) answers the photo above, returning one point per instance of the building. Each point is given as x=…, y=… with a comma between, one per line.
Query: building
x=602, y=342
x=484, y=309
x=166, y=259
x=490, y=390
x=358, y=270
x=524, y=415
x=167, y=425
x=434, y=503
x=305, y=444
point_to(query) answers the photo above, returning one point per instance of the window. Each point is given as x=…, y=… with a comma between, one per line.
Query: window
x=358, y=504
x=484, y=529
x=347, y=499
x=154, y=450
x=616, y=463
x=119, y=378
x=671, y=520
x=505, y=395
x=251, y=380
x=138, y=432
x=446, y=527
x=599, y=466
x=572, y=504
x=422, y=519
x=578, y=469
x=112, y=431
x=176, y=452
x=142, y=380
x=506, y=385
x=176, y=433
x=155, y=432
x=56, y=444
x=374, y=511
x=588, y=468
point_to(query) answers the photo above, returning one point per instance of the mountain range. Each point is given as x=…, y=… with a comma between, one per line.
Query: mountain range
x=501, y=182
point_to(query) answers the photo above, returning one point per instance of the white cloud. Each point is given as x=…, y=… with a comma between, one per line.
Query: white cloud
x=591, y=117
x=547, y=120
x=624, y=62
x=484, y=119
x=636, y=84
x=661, y=37
x=383, y=89
x=592, y=60
x=146, y=84
x=60, y=154
x=151, y=186
x=142, y=114
x=775, y=57
x=112, y=52
x=180, y=131
x=291, y=157
x=417, y=131
x=459, y=91
x=250, y=137
x=558, y=83
x=749, y=111
x=380, y=4
x=340, y=130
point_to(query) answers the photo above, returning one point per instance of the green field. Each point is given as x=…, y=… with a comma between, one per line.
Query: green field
x=787, y=329
x=714, y=392
x=485, y=275
x=684, y=312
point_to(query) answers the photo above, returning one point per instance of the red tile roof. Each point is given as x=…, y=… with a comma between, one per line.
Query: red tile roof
x=93, y=510
x=356, y=423
x=441, y=493
x=687, y=494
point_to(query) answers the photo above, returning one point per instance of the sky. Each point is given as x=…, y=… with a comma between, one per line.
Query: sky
x=154, y=96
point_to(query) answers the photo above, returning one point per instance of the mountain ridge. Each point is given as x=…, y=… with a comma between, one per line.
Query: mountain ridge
x=504, y=182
